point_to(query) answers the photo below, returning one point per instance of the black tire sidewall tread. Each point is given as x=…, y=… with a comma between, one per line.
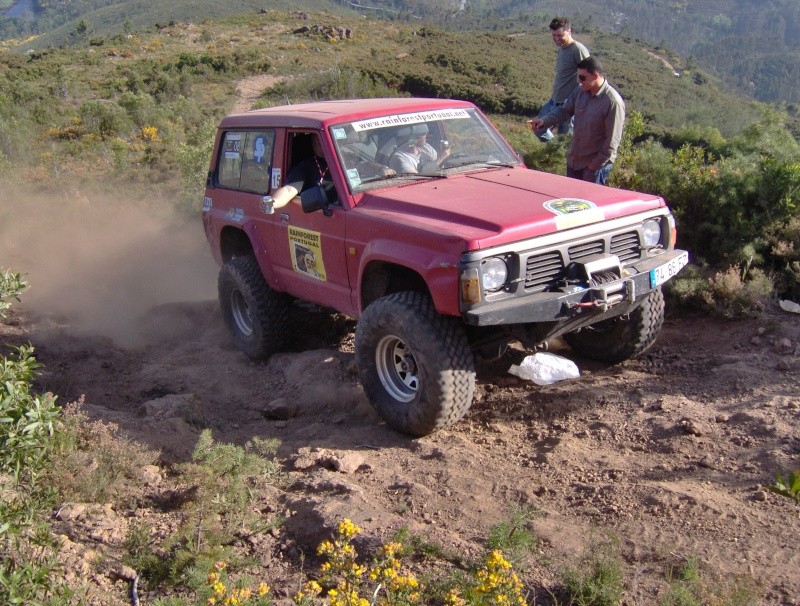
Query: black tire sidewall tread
x=269, y=309
x=445, y=363
x=626, y=338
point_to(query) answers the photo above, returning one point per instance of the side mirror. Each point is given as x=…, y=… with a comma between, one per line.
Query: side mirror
x=313, y=199
x=319, y=197
x=210, y=179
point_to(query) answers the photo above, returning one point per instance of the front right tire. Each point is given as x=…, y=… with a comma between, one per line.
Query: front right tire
x=618, y=339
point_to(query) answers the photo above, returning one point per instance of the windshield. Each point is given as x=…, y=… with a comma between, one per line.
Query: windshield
x=420, y=145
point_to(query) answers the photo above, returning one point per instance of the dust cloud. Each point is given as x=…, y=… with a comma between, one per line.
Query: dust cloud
x=98, y=267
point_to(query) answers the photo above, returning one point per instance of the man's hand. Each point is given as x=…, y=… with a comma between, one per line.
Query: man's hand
x=536, y=124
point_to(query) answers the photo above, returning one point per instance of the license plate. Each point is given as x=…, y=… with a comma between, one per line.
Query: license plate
x=661, y=274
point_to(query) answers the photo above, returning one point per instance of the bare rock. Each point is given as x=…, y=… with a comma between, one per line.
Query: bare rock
x=172, y=406
x=759, y=495
x=784, y=346
x=150, y=475
x=121, y=571
x=343, y=462
x=71, y=512
x=279, y=410
x=306, y=458
x=692, y=427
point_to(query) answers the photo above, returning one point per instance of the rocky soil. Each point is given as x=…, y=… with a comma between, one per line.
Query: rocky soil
x=670, y=453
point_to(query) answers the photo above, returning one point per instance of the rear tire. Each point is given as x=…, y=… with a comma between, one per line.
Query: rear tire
x=616, y=339
x=256, y=315
x=415, y=365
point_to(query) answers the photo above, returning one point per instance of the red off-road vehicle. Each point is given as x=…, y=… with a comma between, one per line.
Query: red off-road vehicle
x=444, y=254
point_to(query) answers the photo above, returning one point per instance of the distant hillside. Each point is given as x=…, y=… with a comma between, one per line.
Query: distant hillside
x=753, y=44
x=59, y=22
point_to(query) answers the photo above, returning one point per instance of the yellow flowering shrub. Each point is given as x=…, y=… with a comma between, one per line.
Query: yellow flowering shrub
x=343, y=581
x=347, y=581
x=219, y=591
x=497, y=583
x=150, y=133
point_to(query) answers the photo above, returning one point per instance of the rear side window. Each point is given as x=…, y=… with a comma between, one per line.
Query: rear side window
x=245, y=161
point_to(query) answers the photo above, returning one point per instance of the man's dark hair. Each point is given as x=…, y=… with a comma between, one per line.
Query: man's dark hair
x=559, y=22
x=591, y=65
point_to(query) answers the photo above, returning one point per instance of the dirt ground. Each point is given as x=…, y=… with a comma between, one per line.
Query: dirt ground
x=670, y=453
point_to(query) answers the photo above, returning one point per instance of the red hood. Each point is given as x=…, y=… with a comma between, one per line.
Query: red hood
x=496, y=207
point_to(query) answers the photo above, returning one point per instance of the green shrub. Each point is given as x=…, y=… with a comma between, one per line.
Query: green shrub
x=95, y=464
x=789, y=487
x=597, y=578
x=513, y=537
x=11, y=287
x=194, y=160
x=28, y=550
x=224, y=480
x=691, y=586
x=735, y=294
x=783, y=239
x=104, y=118
x=548, y=157
x=141, y=108
x=27, y=421
x=333, y=83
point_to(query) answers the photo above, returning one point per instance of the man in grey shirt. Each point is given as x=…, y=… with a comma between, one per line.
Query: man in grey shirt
x=599, y=113
x=570, y=53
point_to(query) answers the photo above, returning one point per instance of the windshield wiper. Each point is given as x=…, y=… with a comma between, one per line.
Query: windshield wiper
x=484, y=164
x=404, y=176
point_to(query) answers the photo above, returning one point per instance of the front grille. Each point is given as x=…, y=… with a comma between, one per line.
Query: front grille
x=586, y=249
x=544, y=269
x=626, y=246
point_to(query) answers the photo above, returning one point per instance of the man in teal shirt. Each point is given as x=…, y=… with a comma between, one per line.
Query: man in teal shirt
x=570, y=53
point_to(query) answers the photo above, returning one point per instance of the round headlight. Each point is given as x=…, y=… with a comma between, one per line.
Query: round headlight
x=652, y=232
x=494, y=274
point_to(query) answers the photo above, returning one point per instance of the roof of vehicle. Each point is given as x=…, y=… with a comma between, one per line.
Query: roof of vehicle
x=323, y=113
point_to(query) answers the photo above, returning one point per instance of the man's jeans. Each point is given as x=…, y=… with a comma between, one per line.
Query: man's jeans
x=564, y=128
x=595, y=176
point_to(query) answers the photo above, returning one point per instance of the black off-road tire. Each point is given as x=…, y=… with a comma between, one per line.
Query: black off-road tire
x=618, y=339
x=256, y=315
x=415, y=365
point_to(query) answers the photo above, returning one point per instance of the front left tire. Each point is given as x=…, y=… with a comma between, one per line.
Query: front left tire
x=415, y=365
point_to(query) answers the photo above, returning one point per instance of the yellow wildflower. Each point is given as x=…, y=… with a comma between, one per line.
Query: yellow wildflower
x=347, y=529
x=313, y=587
x=263, y=589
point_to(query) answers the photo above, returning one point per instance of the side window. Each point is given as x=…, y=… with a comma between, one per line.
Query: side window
x=245, y=160
x=230, y=160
